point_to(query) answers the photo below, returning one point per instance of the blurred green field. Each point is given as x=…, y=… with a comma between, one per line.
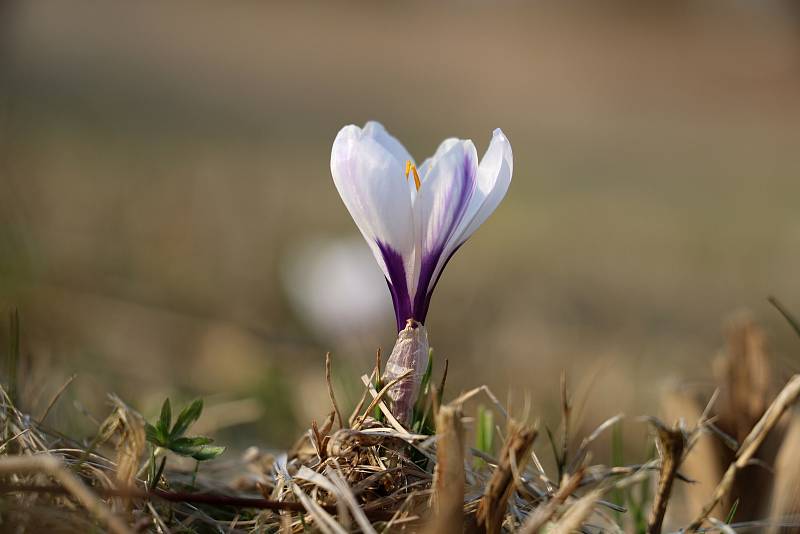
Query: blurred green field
x=160, y=163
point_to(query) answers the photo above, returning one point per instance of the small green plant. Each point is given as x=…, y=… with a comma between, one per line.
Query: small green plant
x=166, y=436
x=422, y=420
x=637, y=497
x=484, y=434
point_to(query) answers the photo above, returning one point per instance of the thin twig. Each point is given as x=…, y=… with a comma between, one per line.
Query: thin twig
x=357, y=410
x=55, y=398
x=194, y=498
x=584, y=446
x=464, y=397
x=543, y=513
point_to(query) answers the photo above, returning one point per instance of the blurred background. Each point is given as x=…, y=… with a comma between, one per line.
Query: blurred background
x=169, y=226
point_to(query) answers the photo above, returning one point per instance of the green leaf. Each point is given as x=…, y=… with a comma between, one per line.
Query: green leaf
x=208, y=452
x=423, y=405
x=426, y=378
x=732, y=512
x=189, y=415
x=165, y=420
x=153, y=435
x=188, y=446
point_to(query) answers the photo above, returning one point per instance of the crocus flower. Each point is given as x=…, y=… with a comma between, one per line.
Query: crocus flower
x=414, y=218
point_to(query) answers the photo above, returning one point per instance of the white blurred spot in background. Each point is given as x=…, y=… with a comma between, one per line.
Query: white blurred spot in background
x=336, y=287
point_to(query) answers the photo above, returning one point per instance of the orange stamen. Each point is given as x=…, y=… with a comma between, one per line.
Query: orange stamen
x=410, y=167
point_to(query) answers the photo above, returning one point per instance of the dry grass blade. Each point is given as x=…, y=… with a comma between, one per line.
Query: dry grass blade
x=368, y=382
x=543, y=513
x=744, y=389
x=744, y=375
x=157, y=519
x=345, y=494
x=672, y=443
x=55, y=398
x=52, y=466
x=784, y=400
x=127, y=426
x=448, y=481
x=577, y=514
x=377, y=401
x=325, y=522
x=786, y=490
x=330, y=389
x=724, y=528
x=584, y=447
x=464, y=397
x=492, y=507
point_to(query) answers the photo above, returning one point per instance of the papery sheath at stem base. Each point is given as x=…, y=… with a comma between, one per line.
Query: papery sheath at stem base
x=410, y=352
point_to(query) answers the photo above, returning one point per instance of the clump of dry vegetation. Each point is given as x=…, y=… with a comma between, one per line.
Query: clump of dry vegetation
x=368, y=473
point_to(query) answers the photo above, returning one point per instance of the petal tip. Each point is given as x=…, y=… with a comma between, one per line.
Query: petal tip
x=374, y=125
x=348, y=131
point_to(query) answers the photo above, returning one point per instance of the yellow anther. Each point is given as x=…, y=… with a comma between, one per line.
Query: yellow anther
x=410, y=167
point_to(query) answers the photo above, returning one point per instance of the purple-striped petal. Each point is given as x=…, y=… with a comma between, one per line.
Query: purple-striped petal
x=494, y=178
x=397, y=281
x=447, y=188
x=371, y=181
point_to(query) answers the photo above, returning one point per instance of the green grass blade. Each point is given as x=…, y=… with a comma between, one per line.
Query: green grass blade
x=732, y=512
x=484, y=432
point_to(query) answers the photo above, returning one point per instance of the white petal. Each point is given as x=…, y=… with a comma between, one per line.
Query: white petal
x=447, y=188
x=494, y=178
x=443, y=148
x=370, y=179
x=376, y=130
